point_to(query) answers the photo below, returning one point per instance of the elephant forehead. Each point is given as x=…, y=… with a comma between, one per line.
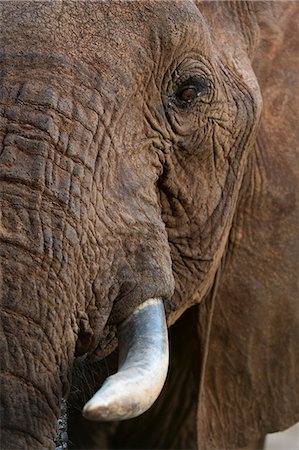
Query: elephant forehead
x=115, y=38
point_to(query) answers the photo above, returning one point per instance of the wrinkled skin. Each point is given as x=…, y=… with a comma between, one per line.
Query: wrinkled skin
x=115, y=190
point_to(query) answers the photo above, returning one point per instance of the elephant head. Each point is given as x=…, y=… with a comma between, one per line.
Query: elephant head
x=126, y=133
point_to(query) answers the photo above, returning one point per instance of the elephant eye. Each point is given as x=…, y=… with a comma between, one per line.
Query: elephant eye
x=190, y=90
x=187, y=94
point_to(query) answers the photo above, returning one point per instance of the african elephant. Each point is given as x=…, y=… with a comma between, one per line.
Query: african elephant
x=139, y=173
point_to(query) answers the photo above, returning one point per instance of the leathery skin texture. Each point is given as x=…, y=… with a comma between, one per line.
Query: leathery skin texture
x=132, y=166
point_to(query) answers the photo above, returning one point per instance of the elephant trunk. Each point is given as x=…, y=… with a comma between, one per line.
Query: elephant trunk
x=28, y=410
x=38, y=254
x=35, y=345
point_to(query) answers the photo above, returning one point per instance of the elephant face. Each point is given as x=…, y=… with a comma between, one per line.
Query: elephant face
x=126, y=133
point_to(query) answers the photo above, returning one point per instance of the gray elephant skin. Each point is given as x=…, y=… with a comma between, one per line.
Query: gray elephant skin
x=149, y=150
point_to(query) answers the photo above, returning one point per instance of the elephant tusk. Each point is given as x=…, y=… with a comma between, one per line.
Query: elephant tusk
x=143, y=365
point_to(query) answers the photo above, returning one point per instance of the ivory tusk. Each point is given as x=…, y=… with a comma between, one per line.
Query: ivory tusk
x=143, y=365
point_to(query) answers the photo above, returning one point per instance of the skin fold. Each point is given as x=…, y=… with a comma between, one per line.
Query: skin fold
x=148, y=149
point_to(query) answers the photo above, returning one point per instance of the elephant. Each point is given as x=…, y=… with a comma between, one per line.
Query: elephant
x=149, y=181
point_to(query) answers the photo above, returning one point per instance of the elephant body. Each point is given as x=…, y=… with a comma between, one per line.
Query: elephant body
x=149, y=149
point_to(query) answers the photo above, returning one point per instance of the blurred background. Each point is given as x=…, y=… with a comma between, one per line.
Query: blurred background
x=287, y=440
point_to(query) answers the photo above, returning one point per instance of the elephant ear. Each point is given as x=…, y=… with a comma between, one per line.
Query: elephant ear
x=250, y=380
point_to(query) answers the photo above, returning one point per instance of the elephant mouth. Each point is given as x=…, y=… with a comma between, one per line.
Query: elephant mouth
x=143, y=366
